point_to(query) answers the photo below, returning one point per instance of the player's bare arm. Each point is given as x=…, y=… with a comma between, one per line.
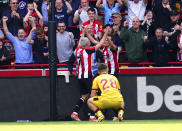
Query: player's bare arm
x=102, y=40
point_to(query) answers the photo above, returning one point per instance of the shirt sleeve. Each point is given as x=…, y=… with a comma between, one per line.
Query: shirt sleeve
x=115, y=49
x=11, y=37
x=117, y=6
x=90, y=50
x=1, y=32
x=76, y=12
x=124, y=34
x=33, y=35
x=117, y=41
x=72, y=40
x=104, y=6
x=128, y=3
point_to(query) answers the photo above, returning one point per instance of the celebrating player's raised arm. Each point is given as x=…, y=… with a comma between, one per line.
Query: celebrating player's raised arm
x=102, y=40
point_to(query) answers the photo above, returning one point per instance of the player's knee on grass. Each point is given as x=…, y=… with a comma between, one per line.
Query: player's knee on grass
x=85, y=97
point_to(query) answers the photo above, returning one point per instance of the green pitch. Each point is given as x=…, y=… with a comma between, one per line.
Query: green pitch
x=126, y=125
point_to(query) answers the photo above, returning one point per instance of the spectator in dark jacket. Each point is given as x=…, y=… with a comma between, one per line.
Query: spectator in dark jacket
x=172, y=30
x=148, y=24
x=162, y=13
x=159, y=46
x=5, y=56
x=15, y=20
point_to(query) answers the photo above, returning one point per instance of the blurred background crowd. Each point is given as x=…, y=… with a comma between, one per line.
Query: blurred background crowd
x=141, y=30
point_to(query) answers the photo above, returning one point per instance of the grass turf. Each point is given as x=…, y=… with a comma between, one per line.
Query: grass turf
x=128, y=125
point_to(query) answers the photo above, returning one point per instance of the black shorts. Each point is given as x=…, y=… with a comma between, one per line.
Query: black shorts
x=85, y=85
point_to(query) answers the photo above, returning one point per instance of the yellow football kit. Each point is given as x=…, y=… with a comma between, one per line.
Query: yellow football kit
x=110, y=92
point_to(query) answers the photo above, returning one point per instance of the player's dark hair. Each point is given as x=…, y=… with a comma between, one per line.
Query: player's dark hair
x=102, y=67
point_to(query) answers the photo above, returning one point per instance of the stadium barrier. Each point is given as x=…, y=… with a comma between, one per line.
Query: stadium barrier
x=149, y=93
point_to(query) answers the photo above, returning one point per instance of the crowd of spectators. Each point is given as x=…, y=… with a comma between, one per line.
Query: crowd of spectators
x=135, y=27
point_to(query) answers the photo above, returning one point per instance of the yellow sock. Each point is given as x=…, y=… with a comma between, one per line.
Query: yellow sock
x=99, y=113
x=121, y=112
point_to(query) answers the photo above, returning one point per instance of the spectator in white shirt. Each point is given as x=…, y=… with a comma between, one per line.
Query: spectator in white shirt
x=136, y=8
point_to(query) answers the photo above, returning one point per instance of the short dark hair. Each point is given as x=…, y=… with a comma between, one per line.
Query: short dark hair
x=102, y=67
x=105, y=26
x=147, y=12
x=21, y=29
x=61, y=22
x=45, y=24
x=91, y=9
x=159, y=28
x=29, y=3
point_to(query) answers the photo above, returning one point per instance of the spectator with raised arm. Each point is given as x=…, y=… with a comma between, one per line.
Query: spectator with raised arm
x=134, y=41
x=39, y=4
x=61, y=11
x=136, y=8
x=148, y=24
x=156, y=3
x=15, y=20
x=75, y=5
x=109, y=8
x=44, y=9
x=39, y=43
x=159, y=46
x=162, y=13
x=172, y=30
x=33, y=18
x=23, y=49
x=81, y=15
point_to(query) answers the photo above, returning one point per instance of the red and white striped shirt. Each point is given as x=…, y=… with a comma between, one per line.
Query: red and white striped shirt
x=179, y=55
x=84, y=61
x=97, y=27
x=111, y=59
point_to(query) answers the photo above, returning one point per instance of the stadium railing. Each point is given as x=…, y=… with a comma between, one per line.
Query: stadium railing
x=64, y=71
